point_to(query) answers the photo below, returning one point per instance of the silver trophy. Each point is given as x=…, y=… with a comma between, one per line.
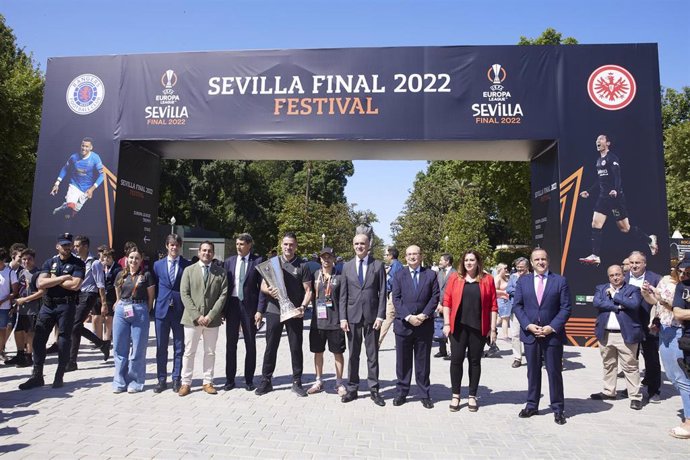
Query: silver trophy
x=272, y=272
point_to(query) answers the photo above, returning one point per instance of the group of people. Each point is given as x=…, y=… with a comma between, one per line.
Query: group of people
x=353, y=306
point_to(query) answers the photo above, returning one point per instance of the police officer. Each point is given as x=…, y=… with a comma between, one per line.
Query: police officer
x=61, y=277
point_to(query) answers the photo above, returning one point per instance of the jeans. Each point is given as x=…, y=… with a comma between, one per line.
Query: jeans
x=668, y=347
x=130, y=364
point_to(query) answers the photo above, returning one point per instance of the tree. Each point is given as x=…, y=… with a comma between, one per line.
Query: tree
x=677, y=158
x=21, y=96
x=549, y=37
x=675, y=106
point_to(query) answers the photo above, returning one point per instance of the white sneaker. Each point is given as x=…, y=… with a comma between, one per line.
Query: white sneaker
x=653, y=246
x=591, y=259
x=655, y=399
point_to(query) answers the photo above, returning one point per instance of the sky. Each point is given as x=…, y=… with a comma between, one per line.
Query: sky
x=55, y=28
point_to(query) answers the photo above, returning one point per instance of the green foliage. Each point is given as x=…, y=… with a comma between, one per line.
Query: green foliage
x=21, y=95
x=548, y=37
x=675, y=106
x=677, y=158
x=237, y=196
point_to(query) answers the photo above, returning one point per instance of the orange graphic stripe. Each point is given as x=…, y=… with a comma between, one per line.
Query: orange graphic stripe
x=566, y=186
x=109, y=183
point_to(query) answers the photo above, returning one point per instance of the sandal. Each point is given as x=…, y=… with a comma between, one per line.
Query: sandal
x=454, y=407
x=680, y=432
x=317, y=387
x=472, y=404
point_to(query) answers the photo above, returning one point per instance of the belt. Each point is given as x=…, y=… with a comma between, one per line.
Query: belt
x=613, y=331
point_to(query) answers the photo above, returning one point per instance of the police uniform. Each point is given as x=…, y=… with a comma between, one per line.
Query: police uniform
x=58, y=307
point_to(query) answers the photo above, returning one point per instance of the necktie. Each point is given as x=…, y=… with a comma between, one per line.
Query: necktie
x=360, y=275
x=243, y=273
x=443, y=274
x=414, y=280
x=172, y=273
x=205, y=273
x=540, y=288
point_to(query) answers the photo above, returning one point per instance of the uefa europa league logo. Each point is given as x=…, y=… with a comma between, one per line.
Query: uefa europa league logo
x=169, y=79
x=497, y=73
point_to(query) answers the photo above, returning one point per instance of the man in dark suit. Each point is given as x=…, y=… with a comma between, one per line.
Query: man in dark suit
x=542, y=306
x=244, y=291
x=362, y=311
x=167, y=274
x=639, y=276
x=619, y=332
x=415, y=296
x=445, y=268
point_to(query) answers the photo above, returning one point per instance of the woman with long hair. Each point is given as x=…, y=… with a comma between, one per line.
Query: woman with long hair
x=469, y=313
x=135, y=291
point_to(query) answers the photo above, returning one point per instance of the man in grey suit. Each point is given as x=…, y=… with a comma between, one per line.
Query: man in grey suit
x=362, y=310
x=445, y=268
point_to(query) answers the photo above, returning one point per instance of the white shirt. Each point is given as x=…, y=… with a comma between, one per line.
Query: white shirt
x=636, y=280
x=170, y=266
x=612, y=324
x=238, y=264
x=8, y=277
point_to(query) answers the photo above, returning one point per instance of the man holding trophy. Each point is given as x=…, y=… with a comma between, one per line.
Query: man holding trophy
x=287, y=283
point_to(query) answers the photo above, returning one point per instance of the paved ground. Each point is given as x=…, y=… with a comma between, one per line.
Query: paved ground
x=86, y=420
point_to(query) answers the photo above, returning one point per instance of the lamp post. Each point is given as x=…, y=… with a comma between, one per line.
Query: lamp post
x=172, y=224
x=323, y=240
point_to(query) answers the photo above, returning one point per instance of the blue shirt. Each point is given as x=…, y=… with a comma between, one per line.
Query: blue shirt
x=85, y=172
x=396, y=266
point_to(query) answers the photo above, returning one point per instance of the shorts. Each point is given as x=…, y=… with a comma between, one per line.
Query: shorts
x=614, y=207
x=26, y=323
x=76, y=197
x=504, y=308
x=4, y=317
x=319, y=337
x=97, y=308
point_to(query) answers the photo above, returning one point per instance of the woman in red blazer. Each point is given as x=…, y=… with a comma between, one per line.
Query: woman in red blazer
x=469, y=314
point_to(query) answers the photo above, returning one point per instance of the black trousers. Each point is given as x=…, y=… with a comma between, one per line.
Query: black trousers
x=652, y=365
x=84, y=307
x=363, y=332
x=274, y=330
x=465, y=341
x=48, y=317
x=239, y=315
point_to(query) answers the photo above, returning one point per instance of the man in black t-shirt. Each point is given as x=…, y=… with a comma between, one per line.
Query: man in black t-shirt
x=610, y=201
x=28, y=305
x=298, y=282
x=61, y=277
x=681, y=308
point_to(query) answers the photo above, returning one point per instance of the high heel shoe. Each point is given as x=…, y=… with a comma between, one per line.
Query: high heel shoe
x=454, y=407
x=472, y=404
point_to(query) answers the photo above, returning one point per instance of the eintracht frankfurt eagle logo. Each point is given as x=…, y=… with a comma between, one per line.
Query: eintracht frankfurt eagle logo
x=611, y=87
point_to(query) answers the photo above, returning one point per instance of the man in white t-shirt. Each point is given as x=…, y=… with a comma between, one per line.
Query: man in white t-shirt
x=8, y=291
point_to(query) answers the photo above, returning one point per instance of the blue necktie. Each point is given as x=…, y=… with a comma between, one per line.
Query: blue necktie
x=172, y=272
x=360, y=276
x=414, y=280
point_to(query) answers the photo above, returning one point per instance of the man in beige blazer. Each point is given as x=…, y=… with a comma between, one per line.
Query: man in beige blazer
x=203, y=290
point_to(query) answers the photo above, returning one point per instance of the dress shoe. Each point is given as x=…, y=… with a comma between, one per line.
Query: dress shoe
x=527, y=413
x=52, y=349
x=160, y=386
x=559, y=418
x=58, y=382
x=636, y=405
x=446, y=358
x=399, y=400
x=263, y=388
x=208, y=388
x=250, y=387
x=176, y=385
x=376, y=397
x=516, y=364
x=105, y=349
x=350, y=396
x=71, y=367
x=601, y=397
x=299, y=390
x=440, y=355
x=229, y=386
x=184, y=390
x=427, y=403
